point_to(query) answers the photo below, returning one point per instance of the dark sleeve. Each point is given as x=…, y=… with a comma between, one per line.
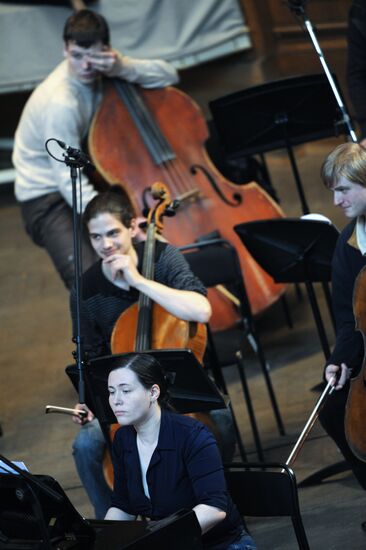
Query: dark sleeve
x=93, y=342
x=120, y=494
x=172, y=269
x=356, y=63
x=346, y=265
x=205, y=470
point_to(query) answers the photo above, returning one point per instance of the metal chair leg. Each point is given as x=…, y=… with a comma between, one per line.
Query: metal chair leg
x=257, y=348
x=243, y=454
x=248, y=400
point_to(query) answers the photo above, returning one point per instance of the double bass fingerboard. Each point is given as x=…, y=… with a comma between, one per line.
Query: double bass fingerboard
x=155, y=142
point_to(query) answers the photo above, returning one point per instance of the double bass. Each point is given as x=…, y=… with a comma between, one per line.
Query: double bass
x=140, y=136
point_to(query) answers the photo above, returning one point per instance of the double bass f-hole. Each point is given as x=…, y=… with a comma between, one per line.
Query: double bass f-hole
x=237, y=198
x=160, y=150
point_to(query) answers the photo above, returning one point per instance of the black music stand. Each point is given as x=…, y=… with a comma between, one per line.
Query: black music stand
x=180, y=531
x=278, y=115
x=190, y=388
x=36, y=514
x=293, y=250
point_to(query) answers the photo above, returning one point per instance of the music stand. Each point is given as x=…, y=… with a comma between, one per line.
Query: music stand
x=180, y=531
x=293, y=250
x=191, y=390
x=278, y=115
x=35, y=512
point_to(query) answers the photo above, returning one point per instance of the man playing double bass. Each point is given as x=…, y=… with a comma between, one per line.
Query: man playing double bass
x=62, y=107
x=344, y=173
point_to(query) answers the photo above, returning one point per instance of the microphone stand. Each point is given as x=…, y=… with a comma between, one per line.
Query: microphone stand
x=298, y=8
x=75, y=162
x=75, y=159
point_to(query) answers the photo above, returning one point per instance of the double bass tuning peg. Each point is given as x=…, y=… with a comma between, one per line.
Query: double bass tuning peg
x=171, y=208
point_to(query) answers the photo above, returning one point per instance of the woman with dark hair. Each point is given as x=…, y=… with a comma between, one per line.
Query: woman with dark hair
x=163, y=461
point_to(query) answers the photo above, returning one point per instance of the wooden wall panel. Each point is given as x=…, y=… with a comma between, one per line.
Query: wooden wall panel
x=276, y=32
x=279, y=39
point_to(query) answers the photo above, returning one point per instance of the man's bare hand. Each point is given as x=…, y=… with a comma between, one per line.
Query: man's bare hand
x=88, y=418
x=107, y=62
x=122, y=268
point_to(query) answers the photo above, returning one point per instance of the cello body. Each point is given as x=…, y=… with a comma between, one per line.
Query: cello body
x=355, y=418
x=167, y=332
x=136, y=153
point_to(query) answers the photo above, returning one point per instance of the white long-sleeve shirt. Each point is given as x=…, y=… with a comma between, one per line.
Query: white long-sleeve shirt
x=62, y=107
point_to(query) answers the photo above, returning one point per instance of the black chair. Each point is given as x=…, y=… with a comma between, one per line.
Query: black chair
x=216, y=262
x=266, y=490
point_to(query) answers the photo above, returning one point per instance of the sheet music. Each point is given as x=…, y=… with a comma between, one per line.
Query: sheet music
x=5, y=469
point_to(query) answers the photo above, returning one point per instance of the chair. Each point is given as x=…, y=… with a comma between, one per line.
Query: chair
x=215, y=262
x=265, y=490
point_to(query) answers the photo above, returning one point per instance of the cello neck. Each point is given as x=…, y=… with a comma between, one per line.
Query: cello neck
x=143, y=335
x=159, y=192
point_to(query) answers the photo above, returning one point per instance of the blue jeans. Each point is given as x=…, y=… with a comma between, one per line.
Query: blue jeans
x=244, y=543
x=88, y=450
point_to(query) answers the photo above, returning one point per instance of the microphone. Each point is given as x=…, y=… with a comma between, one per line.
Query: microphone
x=76, y=154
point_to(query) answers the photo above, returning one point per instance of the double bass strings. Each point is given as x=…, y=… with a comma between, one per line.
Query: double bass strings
x=156, y=143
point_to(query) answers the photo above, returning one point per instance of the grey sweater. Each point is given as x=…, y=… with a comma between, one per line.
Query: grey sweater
x=62, y=107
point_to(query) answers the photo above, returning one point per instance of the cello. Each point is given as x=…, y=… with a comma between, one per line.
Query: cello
x=146, y=325
x=139, y=136
x=356, y=401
